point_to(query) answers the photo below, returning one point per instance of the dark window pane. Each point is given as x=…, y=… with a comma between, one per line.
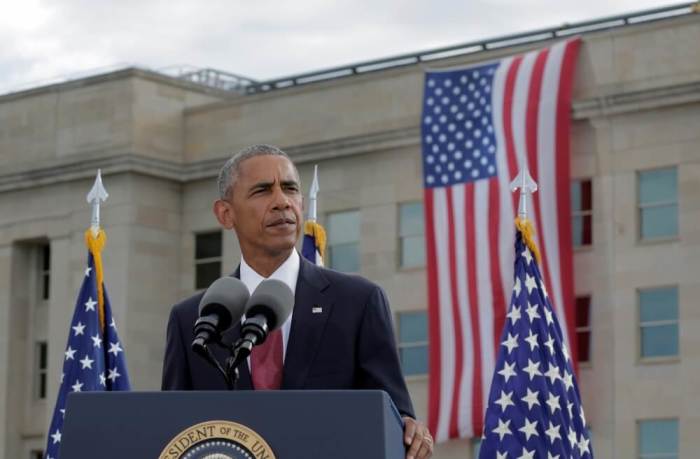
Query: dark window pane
x=660, y=185
x=584, y=346
x=414, y=360
x=42, y=386
x=343, y=227
x=583, y=304
x=45, y=286
x=208, y=245
x=46, y=257
x=42, y=355
x=658, y=437
x=658, y=304
x=345, y=257
x=413, y=327
x=411, y=219
x=659, y=221
x=582, y=230
x=206, y=273
x=660, y=341
x=412, y=251
x=586, y=195
x=581, y=195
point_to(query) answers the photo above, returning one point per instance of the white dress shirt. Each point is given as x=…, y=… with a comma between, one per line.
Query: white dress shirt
x=288, y=272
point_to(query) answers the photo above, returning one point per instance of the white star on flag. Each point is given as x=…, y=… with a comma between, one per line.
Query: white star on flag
x=511, y=342
x=78, y=329
x=113, y=375
x=86, y=362
x=503, y=429
x=70, y=353
x=114, y=348
x=90, y=305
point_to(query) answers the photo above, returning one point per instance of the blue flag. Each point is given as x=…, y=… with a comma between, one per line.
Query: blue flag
x=314, y=244
x=94, y=357
x=534, y=408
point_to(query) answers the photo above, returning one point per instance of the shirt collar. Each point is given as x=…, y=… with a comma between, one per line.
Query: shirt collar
x=288, y=272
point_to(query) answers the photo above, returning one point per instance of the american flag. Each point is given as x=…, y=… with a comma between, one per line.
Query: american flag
x=535, y=407
x=94, y=357
x=478, y=125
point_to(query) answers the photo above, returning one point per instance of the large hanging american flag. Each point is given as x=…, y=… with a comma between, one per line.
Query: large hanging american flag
x=94, y=357
x=535, y=406
x=477, y=125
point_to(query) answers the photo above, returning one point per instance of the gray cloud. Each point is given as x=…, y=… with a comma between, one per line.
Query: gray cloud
x=263, y=39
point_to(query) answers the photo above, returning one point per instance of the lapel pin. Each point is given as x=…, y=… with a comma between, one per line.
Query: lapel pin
x=316, y=310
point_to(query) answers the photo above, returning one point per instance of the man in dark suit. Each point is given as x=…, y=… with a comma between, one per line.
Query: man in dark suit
x=339, y=335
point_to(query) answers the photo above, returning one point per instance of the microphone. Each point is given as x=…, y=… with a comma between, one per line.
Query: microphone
x=222, y=304
x=268, y=308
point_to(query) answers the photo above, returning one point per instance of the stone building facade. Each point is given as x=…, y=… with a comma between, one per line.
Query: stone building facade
x=160, y=142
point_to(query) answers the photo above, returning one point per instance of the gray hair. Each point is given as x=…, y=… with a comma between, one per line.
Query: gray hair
x=229, y=172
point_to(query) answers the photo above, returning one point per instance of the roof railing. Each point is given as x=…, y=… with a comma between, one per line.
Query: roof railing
x=476, y=47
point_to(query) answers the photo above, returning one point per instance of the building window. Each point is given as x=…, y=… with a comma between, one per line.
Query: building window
x=476, y=446
x=658, y=322
x=413, y=342
x=411, y=235
x=658, y=203
x=583, y=328
x=45, y=271
x=40, y=369
x=658, y=439
x=582, y=212
x=344, y=241
x=207, y=259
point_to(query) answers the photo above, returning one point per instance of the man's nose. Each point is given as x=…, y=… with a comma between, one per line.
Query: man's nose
x=281, y=200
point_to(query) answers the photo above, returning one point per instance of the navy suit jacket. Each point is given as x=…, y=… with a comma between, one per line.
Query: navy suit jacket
x=348, y=345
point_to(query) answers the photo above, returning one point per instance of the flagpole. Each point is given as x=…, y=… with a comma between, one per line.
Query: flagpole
x=313, y=194
x=523, y=182
x=97, y=193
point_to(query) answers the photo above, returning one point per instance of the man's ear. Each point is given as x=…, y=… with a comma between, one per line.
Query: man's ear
x=224, y=213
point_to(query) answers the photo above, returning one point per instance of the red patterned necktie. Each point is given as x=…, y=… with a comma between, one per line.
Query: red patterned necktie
x=266, y=363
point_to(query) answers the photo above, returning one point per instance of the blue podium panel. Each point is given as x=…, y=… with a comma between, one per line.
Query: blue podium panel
x=232, y=425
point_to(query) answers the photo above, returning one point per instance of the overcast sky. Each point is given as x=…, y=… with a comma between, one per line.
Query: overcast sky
x=41, y=39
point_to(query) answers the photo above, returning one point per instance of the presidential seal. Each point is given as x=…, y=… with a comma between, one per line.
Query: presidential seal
x=217, y=440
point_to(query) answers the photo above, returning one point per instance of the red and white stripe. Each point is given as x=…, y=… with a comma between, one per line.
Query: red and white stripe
x=470, y=235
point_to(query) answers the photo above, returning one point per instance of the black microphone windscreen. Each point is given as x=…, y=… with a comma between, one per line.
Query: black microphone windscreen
x=226, y=297
x=274, y=299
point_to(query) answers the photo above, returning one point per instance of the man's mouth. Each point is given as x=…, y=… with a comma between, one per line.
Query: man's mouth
x=282, y=222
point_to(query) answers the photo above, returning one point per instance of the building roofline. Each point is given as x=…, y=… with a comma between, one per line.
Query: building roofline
x=479, y=46
x=112, y=75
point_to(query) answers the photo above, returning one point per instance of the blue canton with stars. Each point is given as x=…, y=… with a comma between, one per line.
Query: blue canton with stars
x=93, y=360
x=534, y=409
x=459, y=143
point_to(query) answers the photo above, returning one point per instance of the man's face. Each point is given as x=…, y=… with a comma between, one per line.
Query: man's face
x=266, y=206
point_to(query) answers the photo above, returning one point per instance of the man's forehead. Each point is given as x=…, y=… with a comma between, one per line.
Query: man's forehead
x=266, y=168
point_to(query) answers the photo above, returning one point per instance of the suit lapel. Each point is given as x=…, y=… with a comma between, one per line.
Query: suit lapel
x=311, y=310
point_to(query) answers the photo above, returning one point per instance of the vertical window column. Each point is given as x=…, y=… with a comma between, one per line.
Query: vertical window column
x=658, y=203
x=583, y=328
x=207, y=259
x=40, y=369
x=413, y=342
x=411, y=235
x=658, y=439
x=344, y=241
x=658, y=322
x=582, y=212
